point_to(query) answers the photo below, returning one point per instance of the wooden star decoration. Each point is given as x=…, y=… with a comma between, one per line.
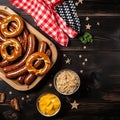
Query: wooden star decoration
x=88, y=26
x=74, y=105
x=67, y=61
x=64, y=3
x=77, y=3
x=75, y=15
x=80, y=1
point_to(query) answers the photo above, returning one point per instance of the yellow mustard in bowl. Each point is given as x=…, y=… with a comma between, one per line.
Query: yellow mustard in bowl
x=48, y=104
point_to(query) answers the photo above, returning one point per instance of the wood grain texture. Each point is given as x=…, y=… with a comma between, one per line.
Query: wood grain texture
x=99, y=93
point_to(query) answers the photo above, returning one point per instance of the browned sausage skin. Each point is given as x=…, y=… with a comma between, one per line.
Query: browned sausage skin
x=16, y=73
x=29, y=78
x=21, y=78
x=23, y=38
x=4, y=63
x=30, y=50
x=42, y=46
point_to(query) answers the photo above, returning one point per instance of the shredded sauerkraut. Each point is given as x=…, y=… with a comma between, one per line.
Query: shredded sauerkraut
x=67, y=81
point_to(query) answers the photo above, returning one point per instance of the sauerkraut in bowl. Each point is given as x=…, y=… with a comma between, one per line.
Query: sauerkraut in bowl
x=67, y=82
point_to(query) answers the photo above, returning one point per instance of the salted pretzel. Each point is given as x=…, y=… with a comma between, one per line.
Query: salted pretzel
x=16, y=52
x=6, y=21
x=38, y=56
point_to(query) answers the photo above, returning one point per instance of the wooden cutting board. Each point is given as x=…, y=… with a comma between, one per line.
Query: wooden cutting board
x=40, y=37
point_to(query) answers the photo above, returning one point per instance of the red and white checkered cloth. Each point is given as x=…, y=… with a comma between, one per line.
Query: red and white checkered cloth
x=42, y=11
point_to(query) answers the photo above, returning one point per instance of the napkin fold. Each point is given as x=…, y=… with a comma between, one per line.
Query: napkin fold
x=43, y=13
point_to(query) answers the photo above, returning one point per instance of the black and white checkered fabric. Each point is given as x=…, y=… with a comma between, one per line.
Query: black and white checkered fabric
x=67, y=11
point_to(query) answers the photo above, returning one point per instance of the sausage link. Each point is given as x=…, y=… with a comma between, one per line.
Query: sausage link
x=25, y=33
x=16, y=73
x=23, y=44
x=42, y=46
x=30, y=50
x=21, y=78
x=29, y=78
x=4, y=63
x=48, y=53
x=25, y=38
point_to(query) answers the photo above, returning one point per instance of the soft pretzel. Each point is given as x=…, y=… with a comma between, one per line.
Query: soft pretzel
x=6, y=21
x=16, y=52
x=38, y=56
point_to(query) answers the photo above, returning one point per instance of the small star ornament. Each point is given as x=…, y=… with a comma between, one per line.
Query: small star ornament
x=80, y=1
x=74, y=105
x=67, y=61
x=77, y=3
x=88, y=26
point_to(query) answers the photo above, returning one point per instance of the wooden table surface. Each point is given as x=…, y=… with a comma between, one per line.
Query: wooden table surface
x=97, y=64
